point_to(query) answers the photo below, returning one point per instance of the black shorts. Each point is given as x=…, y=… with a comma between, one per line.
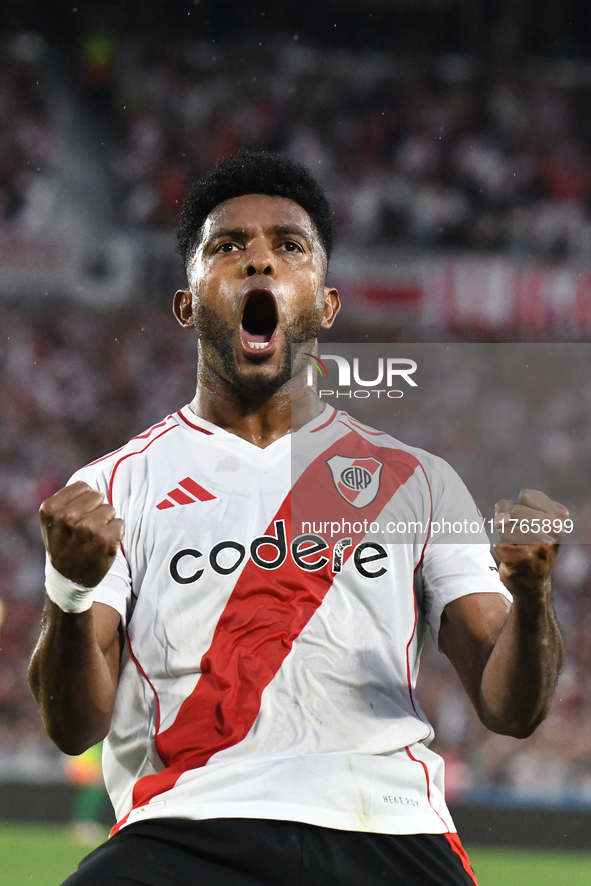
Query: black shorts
x=253, y=852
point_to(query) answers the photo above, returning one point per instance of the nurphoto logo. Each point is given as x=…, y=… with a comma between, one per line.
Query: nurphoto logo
x=389, y=371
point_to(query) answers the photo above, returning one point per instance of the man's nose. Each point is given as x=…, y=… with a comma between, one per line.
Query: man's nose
x=259, y=261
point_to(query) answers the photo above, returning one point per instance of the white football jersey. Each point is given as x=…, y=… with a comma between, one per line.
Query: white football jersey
x=275, y=602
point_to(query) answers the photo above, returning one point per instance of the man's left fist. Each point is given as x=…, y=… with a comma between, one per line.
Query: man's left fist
x=530, y=532
x=532, y=519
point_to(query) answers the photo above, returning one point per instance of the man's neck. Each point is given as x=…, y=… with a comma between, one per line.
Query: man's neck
x=258, y=420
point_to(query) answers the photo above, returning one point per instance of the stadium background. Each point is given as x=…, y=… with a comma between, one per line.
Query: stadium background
x=454, y=140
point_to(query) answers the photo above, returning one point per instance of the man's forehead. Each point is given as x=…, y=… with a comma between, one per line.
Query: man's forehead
x=257, y=211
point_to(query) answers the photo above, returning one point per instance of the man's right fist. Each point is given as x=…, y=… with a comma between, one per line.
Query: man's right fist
x=80, y=533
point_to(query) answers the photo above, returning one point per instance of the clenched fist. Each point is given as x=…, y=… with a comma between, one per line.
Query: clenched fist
x=530, y=531
x=81, y=533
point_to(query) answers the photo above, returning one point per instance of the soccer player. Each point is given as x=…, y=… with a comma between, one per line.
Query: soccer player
x=255, y=683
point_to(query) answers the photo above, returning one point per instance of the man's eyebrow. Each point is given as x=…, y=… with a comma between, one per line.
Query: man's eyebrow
x=232, y=233
x=286, y=230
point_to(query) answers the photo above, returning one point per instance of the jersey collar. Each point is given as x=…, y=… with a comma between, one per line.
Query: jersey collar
x=187, y=418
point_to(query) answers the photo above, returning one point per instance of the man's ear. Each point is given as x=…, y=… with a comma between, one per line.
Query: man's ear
x=182, y=308
x=332, y=306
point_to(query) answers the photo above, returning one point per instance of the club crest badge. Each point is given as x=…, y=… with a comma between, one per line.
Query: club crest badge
x=356, y=479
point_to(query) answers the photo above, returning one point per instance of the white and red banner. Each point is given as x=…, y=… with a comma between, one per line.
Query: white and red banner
x=495, y=294
x=482, y=294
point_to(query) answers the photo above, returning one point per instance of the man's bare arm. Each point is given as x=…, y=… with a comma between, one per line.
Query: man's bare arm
x=74, y=672
x=75, y=667
x=509, y=656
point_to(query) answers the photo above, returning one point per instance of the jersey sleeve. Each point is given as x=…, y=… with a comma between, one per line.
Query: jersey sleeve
x=115, y=588
x=452, y=571
x=457, y=559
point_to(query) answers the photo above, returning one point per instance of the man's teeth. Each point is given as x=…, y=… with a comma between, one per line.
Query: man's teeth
x=258, y=344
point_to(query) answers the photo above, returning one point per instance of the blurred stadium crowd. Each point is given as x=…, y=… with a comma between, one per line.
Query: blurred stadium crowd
x=433, y=155
x=28, y=189
x=436, y=154
x=445, y=151
x=76, y=383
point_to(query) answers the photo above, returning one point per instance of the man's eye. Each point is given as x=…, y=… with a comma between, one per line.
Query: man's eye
x=291, y=246
x=226, y=247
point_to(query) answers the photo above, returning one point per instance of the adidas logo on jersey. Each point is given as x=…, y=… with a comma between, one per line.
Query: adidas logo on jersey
x=181, y=497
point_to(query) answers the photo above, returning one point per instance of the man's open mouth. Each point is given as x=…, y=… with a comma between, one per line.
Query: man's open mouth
x=259, y=321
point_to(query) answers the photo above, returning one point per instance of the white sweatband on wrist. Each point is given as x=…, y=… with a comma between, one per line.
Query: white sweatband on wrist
x=69, y=596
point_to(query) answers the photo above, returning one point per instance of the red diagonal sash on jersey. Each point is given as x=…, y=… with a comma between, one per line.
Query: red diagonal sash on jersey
x=265, y=613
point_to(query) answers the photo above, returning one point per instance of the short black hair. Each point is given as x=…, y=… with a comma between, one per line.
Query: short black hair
x=252, y=172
